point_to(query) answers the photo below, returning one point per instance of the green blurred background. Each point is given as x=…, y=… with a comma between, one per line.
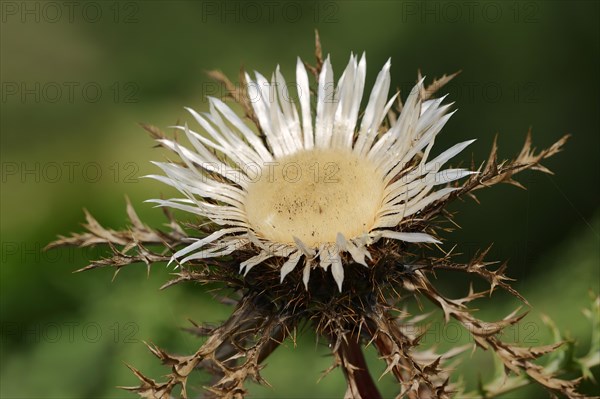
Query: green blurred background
x=77, y=77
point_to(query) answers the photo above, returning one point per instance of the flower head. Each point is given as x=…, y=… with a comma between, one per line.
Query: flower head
x=335, y=188
x=311, y=185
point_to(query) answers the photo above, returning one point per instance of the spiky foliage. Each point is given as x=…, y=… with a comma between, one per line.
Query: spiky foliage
x=367, y=312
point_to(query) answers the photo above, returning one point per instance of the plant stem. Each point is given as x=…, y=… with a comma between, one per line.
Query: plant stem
x=356, y=369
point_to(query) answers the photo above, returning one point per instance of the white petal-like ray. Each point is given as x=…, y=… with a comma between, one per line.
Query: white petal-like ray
x=288, y=110
x=304, y=98
x=391, y=216
x=337, y=269
x=290, y=264
x=309, y=252
x=253, y=261
x=349, y=94
x=222, y=248
x=445, y=156
x=208, y=163
x=402, y=134
x=374, y=113
x=306, y=272
x=358, y=253
x=202, y=242
x=246, y=132
x=408, y=237
x=325, y=106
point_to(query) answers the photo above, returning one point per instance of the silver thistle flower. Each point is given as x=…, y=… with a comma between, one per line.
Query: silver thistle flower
x=329, y=188
x=315, y=186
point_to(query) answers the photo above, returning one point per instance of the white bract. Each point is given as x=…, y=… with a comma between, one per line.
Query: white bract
x=317, y=185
